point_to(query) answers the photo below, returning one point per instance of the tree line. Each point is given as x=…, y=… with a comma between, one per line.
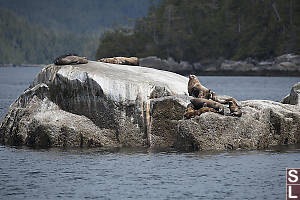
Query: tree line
x=77, y=16
x=22, y=42
x=197, y=30
x=37, y=31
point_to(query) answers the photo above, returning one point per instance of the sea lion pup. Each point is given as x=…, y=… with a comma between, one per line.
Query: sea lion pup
x=235, y=110
x=191, y=112
x=201, y=102
x=121, y=60
x=68, y=59
x=197, y=90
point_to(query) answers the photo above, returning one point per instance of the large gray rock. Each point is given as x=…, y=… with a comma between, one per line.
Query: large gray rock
x=294, y=96
x=100, y=104
x=94, y=104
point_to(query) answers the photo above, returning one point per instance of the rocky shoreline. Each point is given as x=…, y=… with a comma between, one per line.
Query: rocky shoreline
x=109, y=105
x=285, y=65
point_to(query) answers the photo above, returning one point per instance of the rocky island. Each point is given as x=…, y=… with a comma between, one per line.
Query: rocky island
x=109, y=105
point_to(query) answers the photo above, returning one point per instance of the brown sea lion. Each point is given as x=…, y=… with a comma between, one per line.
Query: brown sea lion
x=197, y=90
x=68, y=59
x=201, y=102
x=217, y=99
x=121, y=60
x=191, y=112
x=235, y=110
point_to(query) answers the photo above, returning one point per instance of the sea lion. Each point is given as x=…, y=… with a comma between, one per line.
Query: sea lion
x=68, y=59
x=201, y=102
x=197, y=90
x=217, y=99
x=121, y=60
x=235, y=110
x=191, y=112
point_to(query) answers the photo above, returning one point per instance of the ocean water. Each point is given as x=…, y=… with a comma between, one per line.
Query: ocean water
x=147, y=174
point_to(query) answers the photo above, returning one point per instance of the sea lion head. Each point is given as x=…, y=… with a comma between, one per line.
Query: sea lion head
x=191, y=76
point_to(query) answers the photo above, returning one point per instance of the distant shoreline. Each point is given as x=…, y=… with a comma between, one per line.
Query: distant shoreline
x=283, y=66
x=247, y=73
x=22, y=65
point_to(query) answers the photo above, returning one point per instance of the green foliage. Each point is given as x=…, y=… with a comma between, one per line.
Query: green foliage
x=196, y=30
x=37, y=31
x=116, y=42
x=21, y=42
x=77, y=16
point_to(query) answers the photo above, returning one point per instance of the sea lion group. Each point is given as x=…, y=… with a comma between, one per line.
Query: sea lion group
x=70, y=58
x=207, y=101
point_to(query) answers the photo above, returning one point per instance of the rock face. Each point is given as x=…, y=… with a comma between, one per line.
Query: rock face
x=263, y=123
x=106, y=105
x=94, y=104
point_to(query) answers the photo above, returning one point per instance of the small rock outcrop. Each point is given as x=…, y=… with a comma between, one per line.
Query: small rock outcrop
x=107, y=105
x=294, y=97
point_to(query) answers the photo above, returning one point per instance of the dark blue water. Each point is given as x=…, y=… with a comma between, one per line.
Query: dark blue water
x=13, y=81
x=145, y=174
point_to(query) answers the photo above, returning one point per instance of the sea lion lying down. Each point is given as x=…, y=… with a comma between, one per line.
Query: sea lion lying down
x=69, y=59
x=121, y=60
x=235, y=110
x=201, y=102
x=191, y=112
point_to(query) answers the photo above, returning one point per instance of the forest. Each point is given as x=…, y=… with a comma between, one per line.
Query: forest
x=78, y=16
x=37, y=31
x=21, y=42
x=197, y=30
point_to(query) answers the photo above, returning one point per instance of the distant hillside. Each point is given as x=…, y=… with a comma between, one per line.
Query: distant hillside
x=22, y=42
x=77, y=15
x=37, y=31
x=200, y=30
